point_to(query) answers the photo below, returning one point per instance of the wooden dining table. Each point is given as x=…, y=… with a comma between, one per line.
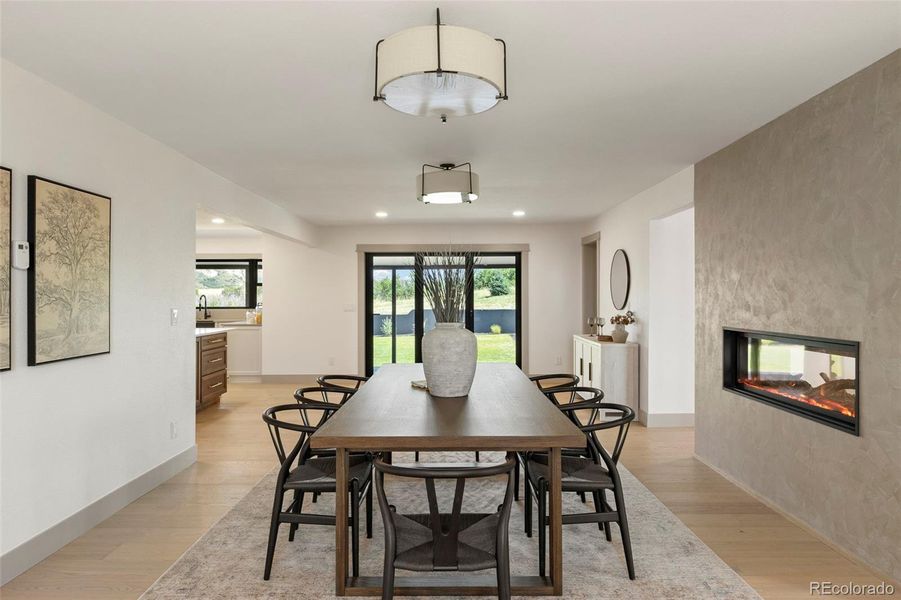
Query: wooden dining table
x=504, y=411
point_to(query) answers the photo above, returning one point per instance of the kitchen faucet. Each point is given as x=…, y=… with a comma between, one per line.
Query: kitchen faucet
x=202, y=305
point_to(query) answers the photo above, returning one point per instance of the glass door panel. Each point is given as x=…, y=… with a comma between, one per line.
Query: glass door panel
x=382, y=317
x=405, y=316
x=495, y=315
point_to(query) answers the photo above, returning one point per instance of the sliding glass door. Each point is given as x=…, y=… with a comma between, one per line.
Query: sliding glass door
x=495, y=302
x=397, y=313
x=391, y=311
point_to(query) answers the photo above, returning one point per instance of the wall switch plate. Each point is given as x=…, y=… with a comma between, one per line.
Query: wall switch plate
x=350, y=307
x=331, y=361
x=173, y=430
x=173, y=317
x=21, y=255
x=559, y=361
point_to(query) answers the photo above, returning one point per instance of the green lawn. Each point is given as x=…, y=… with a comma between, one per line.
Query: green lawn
x=483, y=300
x=492, y=348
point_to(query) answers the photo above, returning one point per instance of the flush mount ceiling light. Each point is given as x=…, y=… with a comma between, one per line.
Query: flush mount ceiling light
x=447, y=184
x=381, y=214
x=217, y=220
x=440, y=71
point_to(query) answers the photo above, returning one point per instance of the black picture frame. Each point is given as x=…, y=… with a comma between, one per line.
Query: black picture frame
x=8, y=215
x=32, y=271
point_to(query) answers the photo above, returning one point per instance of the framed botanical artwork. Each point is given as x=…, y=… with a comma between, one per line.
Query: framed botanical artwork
x=6, y=185
x=69, y=279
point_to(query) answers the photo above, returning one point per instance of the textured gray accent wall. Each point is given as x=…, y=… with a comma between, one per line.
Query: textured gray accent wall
x=798, y=230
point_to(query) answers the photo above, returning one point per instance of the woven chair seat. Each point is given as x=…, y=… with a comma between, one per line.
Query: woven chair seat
x=476, y=542
x=318, y=474
x=578, y=474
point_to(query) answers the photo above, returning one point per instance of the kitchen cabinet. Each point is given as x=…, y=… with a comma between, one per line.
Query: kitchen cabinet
x=212, y=366
x=245, y=350
x=608, y=366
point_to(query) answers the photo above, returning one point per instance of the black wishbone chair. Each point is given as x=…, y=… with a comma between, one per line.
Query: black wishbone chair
x=332, y=397
x=546, y=384
x=454, y=541
x=562, y=396
x=594, y=474
x=554, y=380
x=347, y=384
x=301, y=473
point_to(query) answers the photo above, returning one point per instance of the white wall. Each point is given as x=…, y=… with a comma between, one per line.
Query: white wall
x=627, y=226
x=236, y=246
x=73, y=432
x=311, y=320
x=671, y=308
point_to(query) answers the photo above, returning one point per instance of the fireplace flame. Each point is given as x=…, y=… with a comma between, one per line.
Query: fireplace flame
x=833, y=396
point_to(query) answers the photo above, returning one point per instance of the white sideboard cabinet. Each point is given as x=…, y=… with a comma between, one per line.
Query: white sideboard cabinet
x=608, y=366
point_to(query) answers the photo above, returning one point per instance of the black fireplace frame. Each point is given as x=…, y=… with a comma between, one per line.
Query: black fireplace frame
x=732, y=362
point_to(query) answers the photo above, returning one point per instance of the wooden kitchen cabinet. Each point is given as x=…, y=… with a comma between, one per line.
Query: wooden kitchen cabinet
x=212, y=368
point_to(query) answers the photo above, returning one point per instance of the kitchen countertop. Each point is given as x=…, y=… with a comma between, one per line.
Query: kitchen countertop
x=238, y=324
x=204, y=331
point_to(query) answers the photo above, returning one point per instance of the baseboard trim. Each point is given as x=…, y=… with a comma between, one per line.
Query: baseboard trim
x=296, y=378
x=29, y=553
x=889, y=578
x=666, y=419
x=244, y=377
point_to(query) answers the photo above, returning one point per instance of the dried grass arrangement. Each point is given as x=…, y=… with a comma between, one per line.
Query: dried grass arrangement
x=445, y=280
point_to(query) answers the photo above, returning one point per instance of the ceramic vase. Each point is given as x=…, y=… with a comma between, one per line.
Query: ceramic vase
x=449, y=359
x=619, y=335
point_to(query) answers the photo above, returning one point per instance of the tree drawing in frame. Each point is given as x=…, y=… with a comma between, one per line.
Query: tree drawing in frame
x=69, y=279
x=6, y=180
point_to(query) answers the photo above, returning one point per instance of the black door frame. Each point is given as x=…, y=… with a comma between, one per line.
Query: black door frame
x=418, y=301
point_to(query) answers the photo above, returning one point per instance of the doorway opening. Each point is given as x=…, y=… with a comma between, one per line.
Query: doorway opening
x=590, y=250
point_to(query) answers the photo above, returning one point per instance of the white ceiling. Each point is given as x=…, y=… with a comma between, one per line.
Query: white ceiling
x=606, y=99
x=205, y=228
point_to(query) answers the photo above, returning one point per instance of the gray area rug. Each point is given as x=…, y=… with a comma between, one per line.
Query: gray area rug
x=670, y=561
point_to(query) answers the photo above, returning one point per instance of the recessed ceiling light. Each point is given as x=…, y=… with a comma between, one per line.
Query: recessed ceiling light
x=381, y=214
x=217, y=220
x=519, y=213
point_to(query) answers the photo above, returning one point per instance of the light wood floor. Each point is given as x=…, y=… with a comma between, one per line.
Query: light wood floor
x=122, y=556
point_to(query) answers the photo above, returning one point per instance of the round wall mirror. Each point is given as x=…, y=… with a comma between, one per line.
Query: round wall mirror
x=619, y=279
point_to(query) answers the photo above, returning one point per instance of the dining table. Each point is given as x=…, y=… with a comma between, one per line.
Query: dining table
x=504, y=411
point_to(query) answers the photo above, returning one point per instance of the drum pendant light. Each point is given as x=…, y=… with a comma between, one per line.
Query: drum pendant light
x=447, y=184
x=440, y=71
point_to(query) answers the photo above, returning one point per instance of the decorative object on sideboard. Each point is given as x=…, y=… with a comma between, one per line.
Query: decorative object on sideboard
x=440, y=71
x=620, y=333
x=620, y=279
x=6, y=180
x=447, y=183
x=69, y=279
x=598, y=323
x=448, y=351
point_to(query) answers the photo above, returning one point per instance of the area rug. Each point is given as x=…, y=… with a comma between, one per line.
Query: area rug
x=670, y=561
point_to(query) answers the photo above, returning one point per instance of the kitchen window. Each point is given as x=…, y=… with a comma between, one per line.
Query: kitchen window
x=233, y=283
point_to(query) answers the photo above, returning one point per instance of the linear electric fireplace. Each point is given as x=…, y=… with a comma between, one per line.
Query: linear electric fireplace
x=812, y=377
